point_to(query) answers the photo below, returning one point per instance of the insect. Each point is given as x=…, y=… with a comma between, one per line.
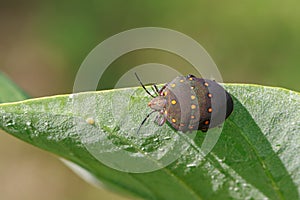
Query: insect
x=189, y=103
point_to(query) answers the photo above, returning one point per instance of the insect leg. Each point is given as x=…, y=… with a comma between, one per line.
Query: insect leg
x=155, y=89
x=161, y=89
x=160, y=119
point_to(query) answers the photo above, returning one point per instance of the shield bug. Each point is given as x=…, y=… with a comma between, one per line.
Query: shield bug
x=189, y=103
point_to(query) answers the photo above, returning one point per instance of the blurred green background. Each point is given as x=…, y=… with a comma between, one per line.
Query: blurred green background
x=42, y=44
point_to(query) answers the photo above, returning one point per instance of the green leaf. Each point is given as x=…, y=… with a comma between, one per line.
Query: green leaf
x=255, y=157
x=9, y=92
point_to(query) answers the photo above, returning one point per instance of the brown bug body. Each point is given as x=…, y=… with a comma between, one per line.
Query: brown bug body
x=189, y=103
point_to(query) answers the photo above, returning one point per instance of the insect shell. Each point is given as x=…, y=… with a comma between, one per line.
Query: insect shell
x=189, y=103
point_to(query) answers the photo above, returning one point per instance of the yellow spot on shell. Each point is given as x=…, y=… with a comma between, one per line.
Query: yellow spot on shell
x=206, y=84
x=191, y=79
x=209, y=110
x=173, y=120
x=193, y=97
x=192, y=117
x=181, y=81
x=165, y=93
x=173, y=102
x=209, y=95
x=173, y=85
x=193, y=106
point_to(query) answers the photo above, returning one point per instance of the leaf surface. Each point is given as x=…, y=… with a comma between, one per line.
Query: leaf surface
x=255, y=157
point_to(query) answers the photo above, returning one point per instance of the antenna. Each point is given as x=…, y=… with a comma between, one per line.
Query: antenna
x=143, y=85
x=144, y=121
